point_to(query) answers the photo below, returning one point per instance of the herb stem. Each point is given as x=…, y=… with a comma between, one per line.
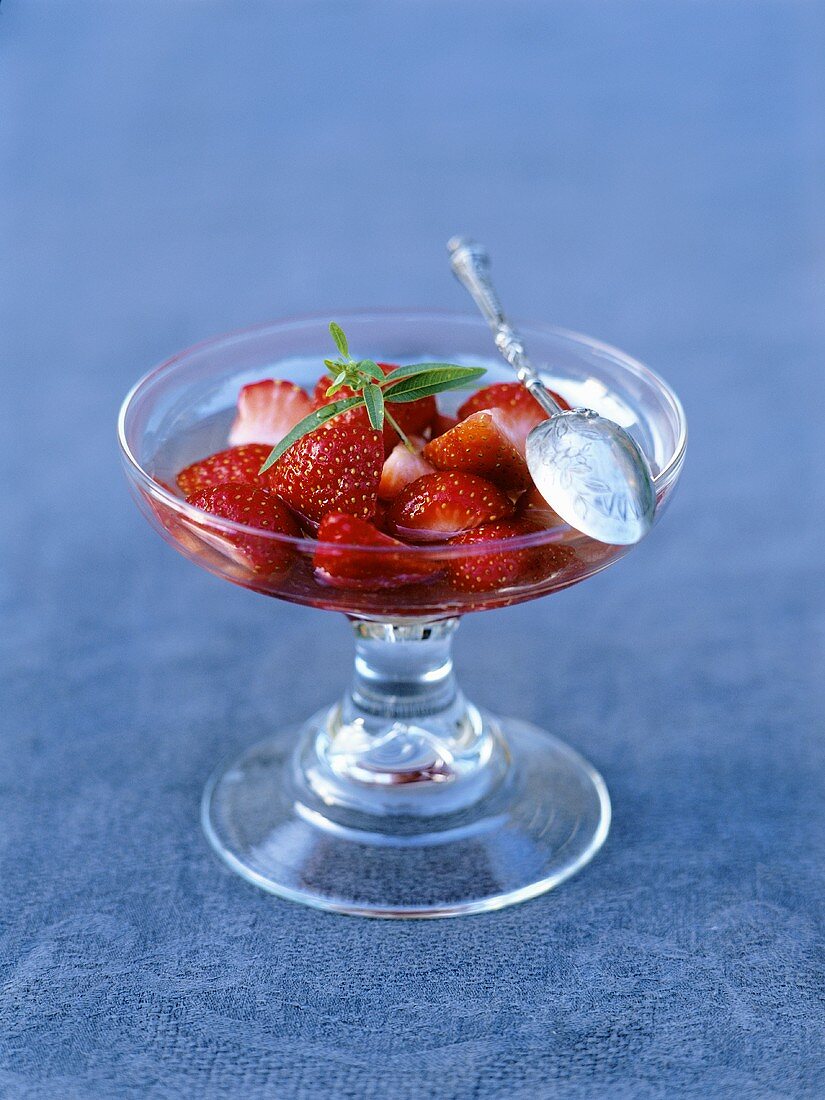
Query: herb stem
x=404, y=439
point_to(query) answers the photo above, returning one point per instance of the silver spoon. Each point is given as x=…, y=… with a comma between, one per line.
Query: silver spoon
x=586, y=467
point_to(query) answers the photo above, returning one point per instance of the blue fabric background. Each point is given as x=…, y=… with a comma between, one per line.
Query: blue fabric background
x=652, y=174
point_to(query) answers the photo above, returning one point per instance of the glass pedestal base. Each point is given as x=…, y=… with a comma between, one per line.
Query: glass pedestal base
x=535, y=812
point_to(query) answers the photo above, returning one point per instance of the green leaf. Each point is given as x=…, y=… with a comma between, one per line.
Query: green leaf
x=426, y=391
x=309, y=424
x=374, y=400
x=333, y=408
x=419, y=368
x=429, y=382
x=368, y=366
x=337, y=334
x=337, y=382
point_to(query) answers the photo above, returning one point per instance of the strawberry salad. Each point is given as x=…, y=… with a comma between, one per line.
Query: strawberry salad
x=369, y=461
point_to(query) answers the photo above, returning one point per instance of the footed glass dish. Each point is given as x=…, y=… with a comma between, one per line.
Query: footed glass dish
x=402, y=799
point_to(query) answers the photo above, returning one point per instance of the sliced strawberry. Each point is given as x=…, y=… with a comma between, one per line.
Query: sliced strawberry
x=267, y=411
x=340, y=563
x=441, y=424
x=335, y=468
x=532, y=505
x=521, y=410
x=240, y=464
x=441, y=505
x=402, y=467
x=494, y=569
x=253, y=506
x=412, y=417
x=481, y=445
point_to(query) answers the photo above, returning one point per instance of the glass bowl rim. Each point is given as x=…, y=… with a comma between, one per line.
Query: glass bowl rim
x=438, y=550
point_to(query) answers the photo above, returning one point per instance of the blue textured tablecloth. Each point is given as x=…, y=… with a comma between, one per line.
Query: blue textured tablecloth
x=652, y=174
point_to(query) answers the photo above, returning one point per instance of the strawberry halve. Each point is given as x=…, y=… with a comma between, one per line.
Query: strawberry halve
x=267, y=411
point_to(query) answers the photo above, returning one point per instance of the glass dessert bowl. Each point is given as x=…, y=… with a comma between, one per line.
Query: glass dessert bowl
x=403, y=799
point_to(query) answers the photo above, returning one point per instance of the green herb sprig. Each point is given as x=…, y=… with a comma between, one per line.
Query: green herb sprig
x=373, y=389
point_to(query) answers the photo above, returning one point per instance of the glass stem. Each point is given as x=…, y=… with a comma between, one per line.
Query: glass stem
x=404, y=739
x=402, y=671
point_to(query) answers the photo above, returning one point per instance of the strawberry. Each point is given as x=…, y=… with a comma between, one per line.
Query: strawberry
x=440, y=505
x=533, y=506
x=253, y=506
x=442, y=423
x=346, y=566
x=412, y=417
x=401, y=468
x=267, y=411
x=521, y=410
x=481, y=444
x=235, y=464
x=336, y=468
x=493, y=569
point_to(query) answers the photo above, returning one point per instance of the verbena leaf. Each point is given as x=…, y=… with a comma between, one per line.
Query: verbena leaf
x=419, y=368
x=374, y=400
x=337, y=384
x=429, y=382
x=307, y=425
x=426, y=391
x=337, y=334
x=368, y=366
x=333, y=408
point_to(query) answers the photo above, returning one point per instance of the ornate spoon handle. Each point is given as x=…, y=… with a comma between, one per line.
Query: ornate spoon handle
x=471, y=266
